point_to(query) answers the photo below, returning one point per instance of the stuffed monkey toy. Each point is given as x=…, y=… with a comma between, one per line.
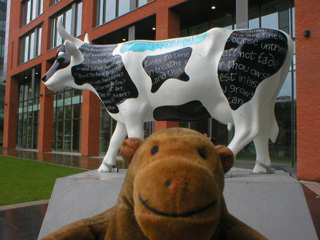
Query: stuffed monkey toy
x=172, y=191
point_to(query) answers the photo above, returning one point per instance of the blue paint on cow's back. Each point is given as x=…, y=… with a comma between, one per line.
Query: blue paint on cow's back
x=143, y=45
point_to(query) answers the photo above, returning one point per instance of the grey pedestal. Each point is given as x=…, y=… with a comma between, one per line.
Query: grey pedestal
x=272, y=204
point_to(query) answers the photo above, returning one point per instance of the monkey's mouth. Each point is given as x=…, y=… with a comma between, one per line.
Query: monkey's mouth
x=177, y=215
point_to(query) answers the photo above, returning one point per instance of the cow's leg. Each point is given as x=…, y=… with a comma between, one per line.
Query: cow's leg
x=116, y=140
x=134, y=114
x=263, y=161
x=135, y=128
x=269, y=130
x=245, y=131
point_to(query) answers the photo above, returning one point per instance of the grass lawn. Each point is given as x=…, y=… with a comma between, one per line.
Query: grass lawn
x=26, y=180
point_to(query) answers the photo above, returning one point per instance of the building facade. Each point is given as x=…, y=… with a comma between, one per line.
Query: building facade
x=3, y=57
x=75, y=121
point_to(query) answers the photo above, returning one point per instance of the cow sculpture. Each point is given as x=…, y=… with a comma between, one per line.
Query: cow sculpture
x=233, y=76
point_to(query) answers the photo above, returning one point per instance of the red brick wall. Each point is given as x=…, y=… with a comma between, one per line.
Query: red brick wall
x=10, y=114
x=308, y=89
x=90, y=125
x=45, y=128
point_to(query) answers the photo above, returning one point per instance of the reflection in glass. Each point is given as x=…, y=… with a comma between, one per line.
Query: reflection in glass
x=31, y=10
x=142, y=2
x=79, y=19
x=30, y=45
x=124, y=7
x=71, y=20
x=68, y=20
x=67, y=121
x=109, y=11
x=27, y=114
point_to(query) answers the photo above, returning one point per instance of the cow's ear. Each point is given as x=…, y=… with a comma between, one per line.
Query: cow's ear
x=86, y=38
x=72, y=50
x=129, y=147
x=226, y=157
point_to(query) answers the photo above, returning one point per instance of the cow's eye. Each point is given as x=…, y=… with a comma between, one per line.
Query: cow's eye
x=202, y=153
x=154, y=149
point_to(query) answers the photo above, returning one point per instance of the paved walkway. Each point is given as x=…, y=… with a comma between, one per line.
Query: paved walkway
x=23, y=221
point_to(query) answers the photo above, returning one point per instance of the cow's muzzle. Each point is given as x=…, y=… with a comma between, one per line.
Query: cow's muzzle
x=44, y=78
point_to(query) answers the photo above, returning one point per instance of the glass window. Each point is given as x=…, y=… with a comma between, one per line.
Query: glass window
x=270, y=21
x=67, y=121
x=28, y=14
x=100, y=12
x=124, y=7
x=71, y=21
x=34, y=13
x=254, y=20
x=68, y=21
x=55, y=1
x=79, y=20
x=284, y=23
x=31, y=10
x=200, y=28
x=141, y=2
x=31, y=45
x=223, y=22
x=108, y=10
x=28, y=110
x=26, y=45
x=293, y=27
x=39, y=42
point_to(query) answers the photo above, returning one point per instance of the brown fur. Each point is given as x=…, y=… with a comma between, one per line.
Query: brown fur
x=172, y=190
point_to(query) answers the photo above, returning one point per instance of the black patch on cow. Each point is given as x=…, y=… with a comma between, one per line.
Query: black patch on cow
x=249, y=57
x=191, y=111
x=169, y=65
x=106, y=73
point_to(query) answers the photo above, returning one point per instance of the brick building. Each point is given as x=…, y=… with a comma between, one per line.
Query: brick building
x=74, y=121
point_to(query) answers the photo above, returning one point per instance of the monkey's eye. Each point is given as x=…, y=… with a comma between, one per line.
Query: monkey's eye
x=202, y=153
x=154, y=149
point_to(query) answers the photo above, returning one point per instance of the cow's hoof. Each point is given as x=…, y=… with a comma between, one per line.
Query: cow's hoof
x=259, y=169
x=262, y=168
x=104, y=169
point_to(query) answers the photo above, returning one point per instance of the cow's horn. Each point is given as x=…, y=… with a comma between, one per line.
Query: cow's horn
x=67, y=36
x=86, y=38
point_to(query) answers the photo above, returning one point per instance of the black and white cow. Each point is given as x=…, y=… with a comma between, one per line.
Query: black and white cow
x=232, y=76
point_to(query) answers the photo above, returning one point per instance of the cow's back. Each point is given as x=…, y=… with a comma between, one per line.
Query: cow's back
x=178, y=78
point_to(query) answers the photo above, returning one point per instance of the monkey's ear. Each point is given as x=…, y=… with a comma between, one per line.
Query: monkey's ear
x=129, y=147
x=226, y=157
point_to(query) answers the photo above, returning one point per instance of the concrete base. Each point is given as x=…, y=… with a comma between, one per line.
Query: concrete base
x=273, y=204
x=81, y=196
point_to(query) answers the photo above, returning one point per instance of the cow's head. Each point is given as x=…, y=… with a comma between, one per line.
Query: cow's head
x=59, y=75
